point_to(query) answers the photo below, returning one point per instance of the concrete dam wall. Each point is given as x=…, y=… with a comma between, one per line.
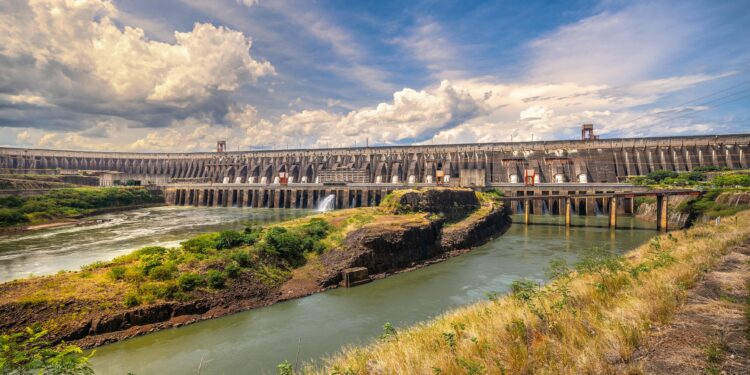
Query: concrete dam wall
x=591, y=161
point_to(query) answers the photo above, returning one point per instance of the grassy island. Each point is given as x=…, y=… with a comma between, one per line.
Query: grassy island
x=69, y=203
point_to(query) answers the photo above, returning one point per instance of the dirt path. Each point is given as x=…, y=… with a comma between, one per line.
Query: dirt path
x=710, y=333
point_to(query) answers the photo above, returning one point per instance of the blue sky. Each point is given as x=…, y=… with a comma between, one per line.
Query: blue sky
x=178, y=75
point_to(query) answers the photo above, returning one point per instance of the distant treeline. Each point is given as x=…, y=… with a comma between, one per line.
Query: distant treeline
x=62, y=203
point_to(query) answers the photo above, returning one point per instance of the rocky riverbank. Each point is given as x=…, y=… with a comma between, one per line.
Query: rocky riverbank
x=417, y=228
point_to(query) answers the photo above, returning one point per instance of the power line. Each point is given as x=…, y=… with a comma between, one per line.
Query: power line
x=695, y=113
x=692, y=101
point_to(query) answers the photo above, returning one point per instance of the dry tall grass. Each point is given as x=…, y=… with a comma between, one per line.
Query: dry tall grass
x=587, y=321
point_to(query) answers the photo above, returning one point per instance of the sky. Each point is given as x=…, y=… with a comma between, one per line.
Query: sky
x=178, y=75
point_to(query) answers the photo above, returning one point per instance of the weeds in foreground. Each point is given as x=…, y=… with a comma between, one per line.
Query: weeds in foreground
x=28, y=352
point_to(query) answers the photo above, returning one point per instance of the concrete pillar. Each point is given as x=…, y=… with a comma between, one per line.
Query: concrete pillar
x=276, y=198
x=590, y=206
x=201, y=196
x=216, y=198
x=245, y=198
x=662, y=216
x=613, y=212
x=365, y=197
x=567, y=203
x=526, y=207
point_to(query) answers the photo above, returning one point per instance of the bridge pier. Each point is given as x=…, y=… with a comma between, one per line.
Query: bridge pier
x=613, y=212
x=526, y=216
x=662, y=212
x=567, y=212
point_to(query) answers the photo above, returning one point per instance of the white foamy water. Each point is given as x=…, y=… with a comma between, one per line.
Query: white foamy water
x=68, y=248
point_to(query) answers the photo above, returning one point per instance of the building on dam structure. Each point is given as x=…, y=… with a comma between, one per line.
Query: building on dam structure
x=590, y=160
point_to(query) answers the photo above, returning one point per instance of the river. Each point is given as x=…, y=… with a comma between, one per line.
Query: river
x=253, y=342
x=68, y=248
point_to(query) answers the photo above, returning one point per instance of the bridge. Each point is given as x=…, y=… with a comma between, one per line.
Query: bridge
x=559, y=199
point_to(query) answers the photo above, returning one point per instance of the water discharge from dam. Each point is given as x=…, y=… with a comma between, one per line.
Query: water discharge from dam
x=253, y=342
x=327, y=204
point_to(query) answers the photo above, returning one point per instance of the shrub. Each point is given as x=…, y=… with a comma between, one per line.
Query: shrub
x=131, y=299
x=190, y=281
x=241, y=257
x=232, y=269
x=164, y=290
x=162, y=272
x=149, y=262
x=151, y=250
x=216, y=279
x=11, y=201
x=732, y=180
x=117, y=272
x=11, y=216
x=133, y=274
x=200, y=244
x=316, y=228
x=229, y=239
x=284, y=244
x=660, y=175
x=693, y=176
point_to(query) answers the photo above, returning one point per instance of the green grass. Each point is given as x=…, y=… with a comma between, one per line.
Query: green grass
x=65, y=203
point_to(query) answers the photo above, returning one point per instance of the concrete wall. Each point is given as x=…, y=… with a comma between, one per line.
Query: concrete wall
x=597, y=161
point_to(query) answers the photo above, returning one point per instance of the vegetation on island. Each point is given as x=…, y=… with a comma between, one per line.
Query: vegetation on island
x=589, y=319
x=68, y=203
x=699, y=177
x=200, y=266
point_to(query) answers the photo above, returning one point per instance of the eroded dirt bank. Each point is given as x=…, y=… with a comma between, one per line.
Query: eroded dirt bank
x=385, y=246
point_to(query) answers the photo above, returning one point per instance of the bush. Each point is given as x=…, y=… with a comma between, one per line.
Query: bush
x=190, y=281
x=732, y=180
x=693, y=176
x=162, y=272
x=660, y=175
x=201, y=244
x=152, y=250
x=283, y=244
x=11, y=216
x=131, y=299
x=232, y=269
x=133, y=274
x=241, y=257
x=11, y=201
x=163, y=290
x=216, y=279
x=117, y=272
x=229, y=239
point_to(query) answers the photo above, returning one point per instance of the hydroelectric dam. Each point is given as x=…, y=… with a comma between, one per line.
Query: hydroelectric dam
x=361, y=176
